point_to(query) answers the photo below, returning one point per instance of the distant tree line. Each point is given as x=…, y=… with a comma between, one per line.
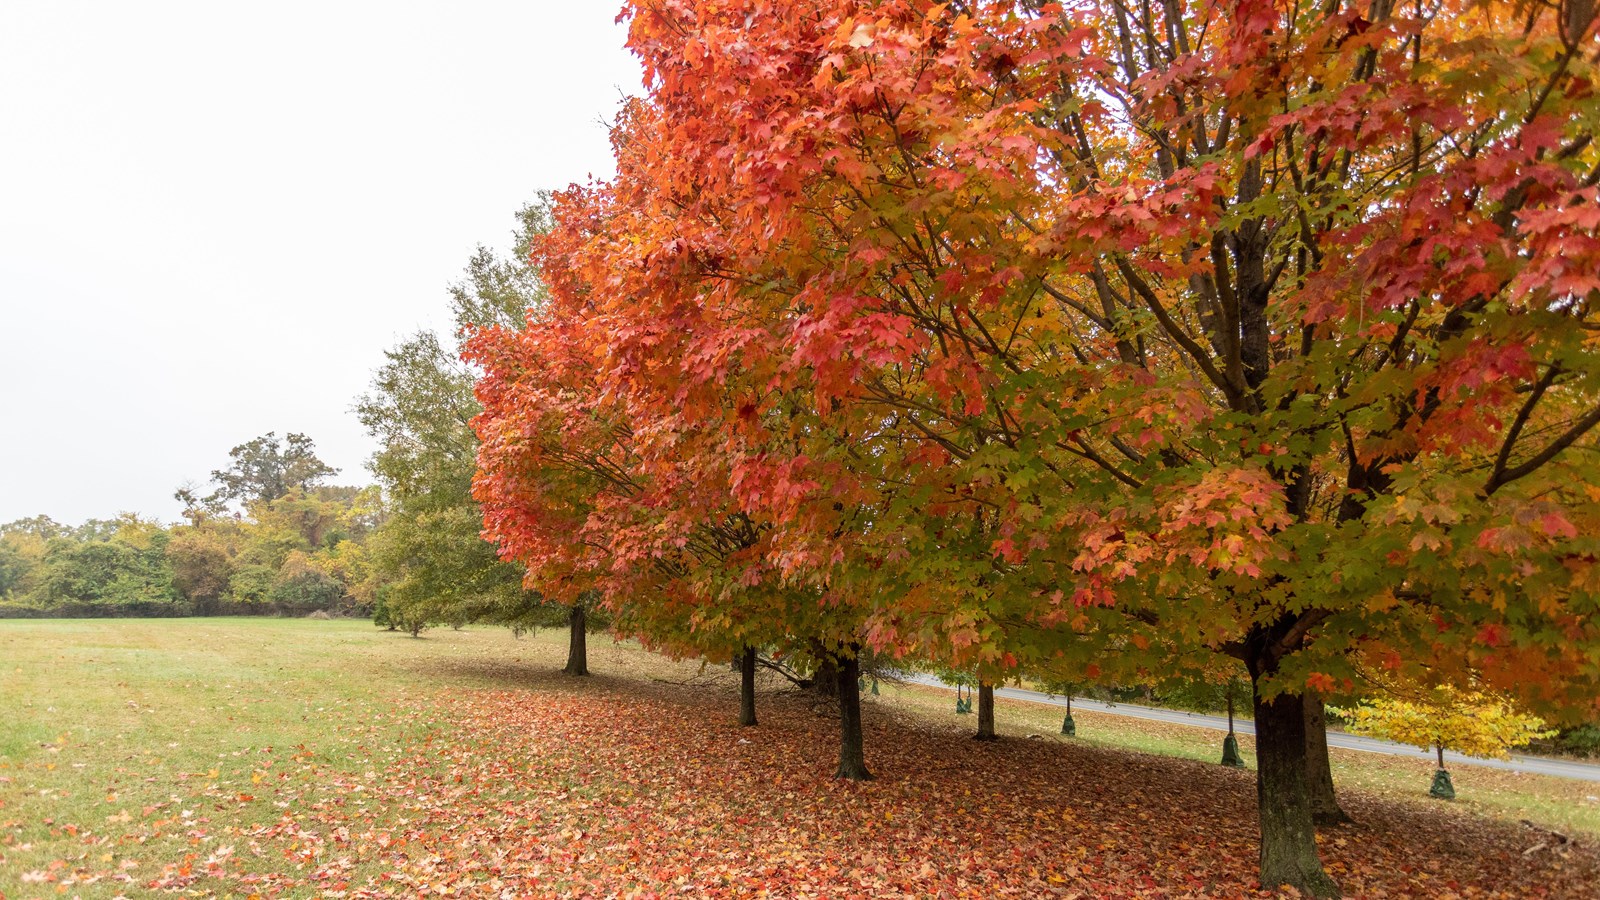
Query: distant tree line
x=271, y=539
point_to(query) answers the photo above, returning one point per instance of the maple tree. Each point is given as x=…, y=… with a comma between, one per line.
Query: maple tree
x=1446, y=719
x=601, y=503
x=1094, y=339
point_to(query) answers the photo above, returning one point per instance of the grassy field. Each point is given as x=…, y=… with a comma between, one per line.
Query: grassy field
x=188, y=756
x=121, y=725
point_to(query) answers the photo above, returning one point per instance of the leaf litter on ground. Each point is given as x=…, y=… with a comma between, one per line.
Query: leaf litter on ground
x=612, y=787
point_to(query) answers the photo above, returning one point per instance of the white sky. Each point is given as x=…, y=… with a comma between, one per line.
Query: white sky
x=215, y=216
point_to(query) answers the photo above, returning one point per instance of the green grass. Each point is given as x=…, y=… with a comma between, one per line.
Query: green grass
x=116, y=727
x=153, y=743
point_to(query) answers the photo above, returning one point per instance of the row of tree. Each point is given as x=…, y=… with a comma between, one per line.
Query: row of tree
x=1118, y=342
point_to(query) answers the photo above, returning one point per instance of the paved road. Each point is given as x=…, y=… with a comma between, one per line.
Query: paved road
x=1517, y=763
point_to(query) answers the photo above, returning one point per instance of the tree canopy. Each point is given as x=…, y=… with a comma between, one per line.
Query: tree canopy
x=266, y=468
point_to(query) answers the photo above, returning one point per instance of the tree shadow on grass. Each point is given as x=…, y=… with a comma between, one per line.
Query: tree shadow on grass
x=501, y=674
x=545, y=676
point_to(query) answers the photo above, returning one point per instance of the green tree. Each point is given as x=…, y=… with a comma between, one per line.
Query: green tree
x=113, y=572
x=22, y=550
x=250, y=587
x=42, y=527
x=266, y=468
x=428, y=552
x=14, y=568
x=301, y=587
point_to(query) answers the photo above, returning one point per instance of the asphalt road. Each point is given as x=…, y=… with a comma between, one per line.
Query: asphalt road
x=1518, y=763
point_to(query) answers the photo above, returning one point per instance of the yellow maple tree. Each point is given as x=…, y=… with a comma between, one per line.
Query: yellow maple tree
x=1469, y=722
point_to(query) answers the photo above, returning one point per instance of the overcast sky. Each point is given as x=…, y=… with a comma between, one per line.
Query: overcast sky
x=214, y=217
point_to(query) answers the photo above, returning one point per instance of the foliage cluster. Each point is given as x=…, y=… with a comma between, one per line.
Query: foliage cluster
x=1445, y=719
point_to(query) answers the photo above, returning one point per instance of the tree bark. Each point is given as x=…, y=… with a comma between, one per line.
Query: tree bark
x=852, y=756
x=825, y=680
x=985, y=712
x=1325, y=809
x=1288, y=836
x=747, y=687
x=578, y=641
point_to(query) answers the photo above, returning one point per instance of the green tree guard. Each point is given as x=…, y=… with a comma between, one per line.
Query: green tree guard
x=1230, y=744
x=1068, y=727
x=1442, y=788
x=1230, y=752
x=874, y=687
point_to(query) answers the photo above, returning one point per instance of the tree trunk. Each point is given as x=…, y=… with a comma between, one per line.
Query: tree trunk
x=852, y=757
x=825, y=680
x=578, y=642
x=1288, y=837
x=1325, y=809
x=747, y=687
x=985, y=712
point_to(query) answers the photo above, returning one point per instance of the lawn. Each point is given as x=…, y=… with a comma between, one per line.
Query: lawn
x=298, y=758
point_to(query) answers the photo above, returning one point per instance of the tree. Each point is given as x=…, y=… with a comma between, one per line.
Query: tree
x=14, y=568
x=1446, y=719
x=22, y=550
x=429, y=551
x=1325, y=808
x=747, y=687
x=201, y=567
x=199, y=508
x=302, y=587
x=299, y=553
x=41, y=527
x=265, y=469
